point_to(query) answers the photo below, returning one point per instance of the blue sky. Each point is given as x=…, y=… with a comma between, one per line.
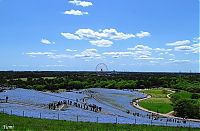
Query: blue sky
x=128, y=35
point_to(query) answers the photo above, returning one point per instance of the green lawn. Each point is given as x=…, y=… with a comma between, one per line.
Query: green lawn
x=161, y=105
x=157, y=93
x=33, y=124
x=158, y=102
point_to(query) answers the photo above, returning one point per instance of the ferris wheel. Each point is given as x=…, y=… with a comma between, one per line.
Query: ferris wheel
x=101, y=68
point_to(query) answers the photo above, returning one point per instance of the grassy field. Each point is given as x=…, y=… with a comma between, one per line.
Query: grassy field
x=159, y=102
x=185, y=95
x=33, y=124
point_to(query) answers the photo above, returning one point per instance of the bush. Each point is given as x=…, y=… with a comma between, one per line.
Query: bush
x=187, y=108
x=195, y=96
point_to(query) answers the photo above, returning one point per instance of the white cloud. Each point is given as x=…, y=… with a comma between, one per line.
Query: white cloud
x=55, y=65
x=179, y=43
x=46, y=41
x=183, y=48
x=60, y=61
x=50, y=55
x=172, y=55
x=117, y=54
x=115, y=35
x=101, y=38
x=81, y=3
x=140, y=48
x=89, y=53
x=106, y=33
x=142, y=54
x=196, y=45
x=59, y=56
x=111, y=34
x=180, y=61
x=149, y=58
x=70, y=36
x=88, y=34
x=75, y=12
x=71, y=50
x=196, y=39
x=20, y=65
x=139, y=52
x=40, y=53
x=162, y=49
x=196, y=48
x=101, y=43
x=143, y=34
x=186, y=46
x=155, y=62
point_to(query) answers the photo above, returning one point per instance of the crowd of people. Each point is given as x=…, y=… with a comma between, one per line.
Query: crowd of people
x=82, y=105
x=154, y=116
x=4, y=100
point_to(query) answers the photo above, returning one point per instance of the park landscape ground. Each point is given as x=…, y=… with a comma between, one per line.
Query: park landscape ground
x=118, y=109
x=114, y=103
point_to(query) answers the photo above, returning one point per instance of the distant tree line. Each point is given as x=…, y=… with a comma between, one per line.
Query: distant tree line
x=80, y=80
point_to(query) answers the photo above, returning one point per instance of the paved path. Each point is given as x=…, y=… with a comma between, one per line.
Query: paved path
x=135, y=104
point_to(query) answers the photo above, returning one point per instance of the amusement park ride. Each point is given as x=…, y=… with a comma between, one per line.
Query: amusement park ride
x=102, y=70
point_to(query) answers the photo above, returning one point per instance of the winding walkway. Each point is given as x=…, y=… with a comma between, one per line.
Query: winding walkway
x=136, y=105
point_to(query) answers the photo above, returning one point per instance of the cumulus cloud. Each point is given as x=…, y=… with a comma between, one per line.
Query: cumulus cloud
x=196, y=48
x=118, y=54
x=142, y=54
x=101, y=38
x=143, y=34
x=162, y=49
x=112, y=34
x=40, y=53
x=140, y=48
x=70, y=36
x=196, y=45
x=136, y=54
x=144, y=57
x=75, y=12
x=88, y=34
x=180, y=61
x=183, y=48
x=59, y=56
x=89, y=53
x=50, y=55
x=179, y=43
x=20, y=65
x=81, y=3
x=115, y=35
x=196, y=39
x=55, y=65
x=71, y=50
x=102, y=43
x=139, y=52
x=186, y=46
x=46, y=41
